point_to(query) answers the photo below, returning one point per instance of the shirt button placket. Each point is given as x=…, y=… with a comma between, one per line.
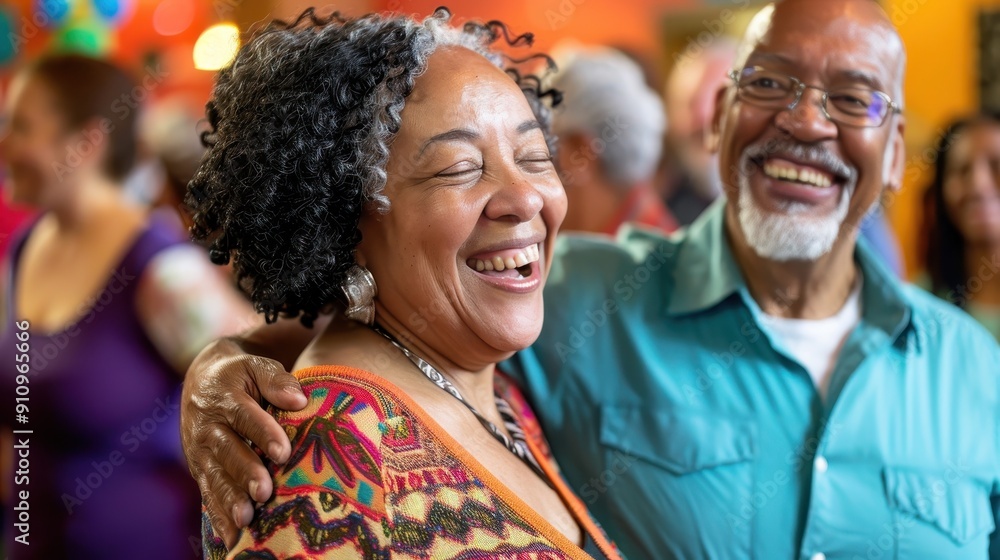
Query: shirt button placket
x=820, y=466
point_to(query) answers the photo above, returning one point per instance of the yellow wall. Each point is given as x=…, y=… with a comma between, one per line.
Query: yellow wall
x=941, y=37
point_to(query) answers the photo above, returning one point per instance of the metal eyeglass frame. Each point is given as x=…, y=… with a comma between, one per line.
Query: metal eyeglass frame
x=801, y=87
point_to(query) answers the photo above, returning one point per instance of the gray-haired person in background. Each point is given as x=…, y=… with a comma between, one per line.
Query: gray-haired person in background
x=610, y=130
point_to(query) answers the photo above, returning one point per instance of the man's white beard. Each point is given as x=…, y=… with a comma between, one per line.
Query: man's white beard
x=791, y=234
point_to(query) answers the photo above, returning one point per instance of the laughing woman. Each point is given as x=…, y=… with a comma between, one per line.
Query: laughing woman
x=393, y=169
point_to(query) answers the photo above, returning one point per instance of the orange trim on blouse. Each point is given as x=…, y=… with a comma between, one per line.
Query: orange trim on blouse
x=540, y=449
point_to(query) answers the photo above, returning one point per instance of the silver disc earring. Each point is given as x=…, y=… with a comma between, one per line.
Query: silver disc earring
x=360, y=290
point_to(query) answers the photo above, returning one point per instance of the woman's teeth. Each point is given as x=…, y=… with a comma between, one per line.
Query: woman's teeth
x=510, y=260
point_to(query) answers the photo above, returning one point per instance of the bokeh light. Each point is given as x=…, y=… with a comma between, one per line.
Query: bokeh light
x=87, y=36
x=114, y=11
x=216, y=47
x=173, y=17
x=54, y=12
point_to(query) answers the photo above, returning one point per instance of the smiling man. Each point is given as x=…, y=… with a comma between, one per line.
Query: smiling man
x=775, y=390
x=759, y=386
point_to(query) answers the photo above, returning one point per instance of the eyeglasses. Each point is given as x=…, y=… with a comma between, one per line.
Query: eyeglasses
x=857, y=106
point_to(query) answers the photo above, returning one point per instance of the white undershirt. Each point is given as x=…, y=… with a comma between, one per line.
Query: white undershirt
x=816, y=343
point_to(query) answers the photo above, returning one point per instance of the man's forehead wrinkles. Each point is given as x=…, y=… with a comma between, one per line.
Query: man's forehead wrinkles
x=828, y=47
x=808, y=17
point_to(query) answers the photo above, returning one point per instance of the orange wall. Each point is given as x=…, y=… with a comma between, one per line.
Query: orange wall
x=941, y=39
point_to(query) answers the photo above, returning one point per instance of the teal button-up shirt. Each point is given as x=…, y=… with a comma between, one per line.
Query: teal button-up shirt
x=692, y=434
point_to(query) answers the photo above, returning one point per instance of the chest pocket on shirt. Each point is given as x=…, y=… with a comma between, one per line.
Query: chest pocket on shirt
x=939, y=513
x=679, y=479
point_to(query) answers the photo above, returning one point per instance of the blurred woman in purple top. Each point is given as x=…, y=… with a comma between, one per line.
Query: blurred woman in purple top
x=114, y=304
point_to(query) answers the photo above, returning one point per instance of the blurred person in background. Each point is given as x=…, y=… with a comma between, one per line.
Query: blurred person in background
x=692, y=169
x=116, y=304
x=610, y=127
x=963, y=249
x=169, y=130
x=877, y=231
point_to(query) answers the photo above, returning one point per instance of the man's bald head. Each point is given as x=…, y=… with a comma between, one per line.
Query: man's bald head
x=852, y=19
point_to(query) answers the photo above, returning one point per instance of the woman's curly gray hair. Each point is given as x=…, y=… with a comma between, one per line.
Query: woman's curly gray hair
x=300, y=128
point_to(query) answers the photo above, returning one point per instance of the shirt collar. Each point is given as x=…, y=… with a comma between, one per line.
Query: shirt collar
x=884, y=303
x=707, y=273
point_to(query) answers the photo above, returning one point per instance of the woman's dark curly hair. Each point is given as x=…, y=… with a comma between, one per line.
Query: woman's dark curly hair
x=946, y=247
x=301, y=124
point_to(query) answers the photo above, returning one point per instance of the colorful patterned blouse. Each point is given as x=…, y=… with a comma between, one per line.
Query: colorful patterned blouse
x=372, y=476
